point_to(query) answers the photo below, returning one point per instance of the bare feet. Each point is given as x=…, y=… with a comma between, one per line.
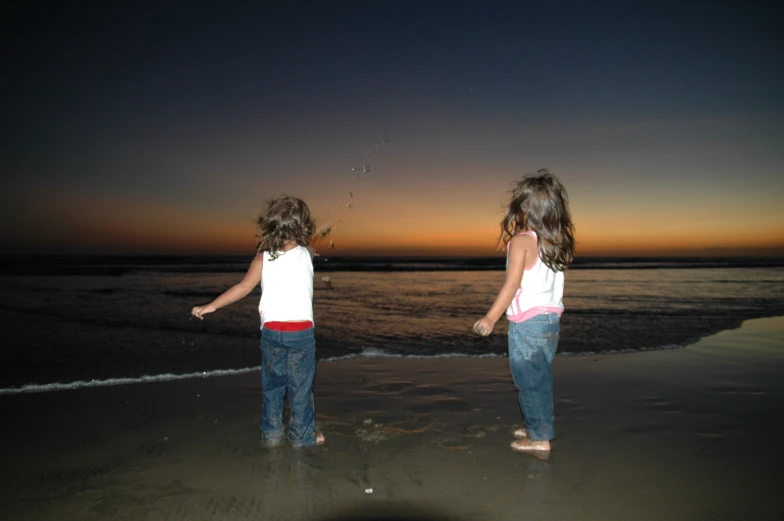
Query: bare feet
x=320, y=439
x=520, y=433
x=526, y=445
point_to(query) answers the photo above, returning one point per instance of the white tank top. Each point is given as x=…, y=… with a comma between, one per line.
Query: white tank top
x=540, y=291
x=287, y=286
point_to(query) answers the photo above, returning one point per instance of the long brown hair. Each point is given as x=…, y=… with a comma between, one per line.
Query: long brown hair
x=540, y=204
x=285, y=219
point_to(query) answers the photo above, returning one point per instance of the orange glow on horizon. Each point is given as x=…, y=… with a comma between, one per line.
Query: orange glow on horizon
x=230, y=238
x=115, y=225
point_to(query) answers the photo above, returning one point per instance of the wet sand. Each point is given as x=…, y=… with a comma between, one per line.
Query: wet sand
x=686, y=434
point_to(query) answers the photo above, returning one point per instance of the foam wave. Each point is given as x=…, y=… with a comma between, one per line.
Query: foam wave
x=375, y=352
x=80, y=384
x=369, y=352
x=624, y=351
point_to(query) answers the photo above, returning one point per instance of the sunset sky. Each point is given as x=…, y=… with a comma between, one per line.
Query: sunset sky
x=152, y=129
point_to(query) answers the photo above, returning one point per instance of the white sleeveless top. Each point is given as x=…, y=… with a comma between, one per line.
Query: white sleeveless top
x=287, y=286
x=540, y=291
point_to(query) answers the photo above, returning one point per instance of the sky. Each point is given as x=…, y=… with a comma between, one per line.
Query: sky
x=163, y=127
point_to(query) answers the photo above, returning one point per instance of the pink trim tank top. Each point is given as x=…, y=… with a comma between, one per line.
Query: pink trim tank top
x=541, y=290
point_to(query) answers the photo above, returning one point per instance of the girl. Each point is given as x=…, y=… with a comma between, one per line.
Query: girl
x=283, y=264
x=539, y=238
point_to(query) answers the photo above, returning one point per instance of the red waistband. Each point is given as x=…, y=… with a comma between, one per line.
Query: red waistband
x=288, y=326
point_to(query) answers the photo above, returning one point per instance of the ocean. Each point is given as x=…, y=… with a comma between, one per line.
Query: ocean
x=73, y=321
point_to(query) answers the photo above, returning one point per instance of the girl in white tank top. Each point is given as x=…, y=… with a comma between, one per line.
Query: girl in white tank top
x=539, y=238
x=283, y=266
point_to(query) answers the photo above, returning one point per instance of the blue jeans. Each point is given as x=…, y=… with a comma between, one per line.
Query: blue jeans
x=532, y=345
x=288, y=363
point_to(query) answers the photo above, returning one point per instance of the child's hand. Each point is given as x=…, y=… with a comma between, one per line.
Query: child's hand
x=483, y=326
x=200, y=311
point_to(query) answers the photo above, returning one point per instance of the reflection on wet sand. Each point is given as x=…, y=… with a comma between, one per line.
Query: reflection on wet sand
x=414, y=440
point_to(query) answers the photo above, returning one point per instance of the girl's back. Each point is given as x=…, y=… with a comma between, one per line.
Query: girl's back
x=541, y=291
x=287, y=286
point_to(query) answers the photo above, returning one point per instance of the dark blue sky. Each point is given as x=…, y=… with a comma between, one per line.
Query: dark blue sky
x=198, y=110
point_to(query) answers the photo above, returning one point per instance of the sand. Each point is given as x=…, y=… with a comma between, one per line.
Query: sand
x=683, y=434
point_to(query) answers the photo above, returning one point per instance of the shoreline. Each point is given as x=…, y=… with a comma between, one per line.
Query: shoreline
x=368, y=353
x=662, y=434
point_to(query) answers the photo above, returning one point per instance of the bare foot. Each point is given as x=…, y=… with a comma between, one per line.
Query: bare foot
x=526, y=445
x=320, y=439
x=520, y=433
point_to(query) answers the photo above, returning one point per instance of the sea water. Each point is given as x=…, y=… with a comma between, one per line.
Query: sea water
x=75, y=321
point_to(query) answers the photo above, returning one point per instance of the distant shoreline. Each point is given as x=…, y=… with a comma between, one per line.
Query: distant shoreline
x=117, y=265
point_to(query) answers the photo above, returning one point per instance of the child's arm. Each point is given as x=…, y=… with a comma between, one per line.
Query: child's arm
x=236, y=292
x=522, y=249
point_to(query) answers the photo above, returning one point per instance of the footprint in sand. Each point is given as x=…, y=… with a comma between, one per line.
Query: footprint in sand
x=739, y=391
x=372, y=432
x=369, y=430
x=659, y=404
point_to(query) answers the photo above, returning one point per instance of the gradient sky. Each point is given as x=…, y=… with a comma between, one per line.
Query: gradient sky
x=154, y=129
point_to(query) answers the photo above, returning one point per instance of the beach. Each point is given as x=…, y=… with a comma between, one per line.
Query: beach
x=687, y=433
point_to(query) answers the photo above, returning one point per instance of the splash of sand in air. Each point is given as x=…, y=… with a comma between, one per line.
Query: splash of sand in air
x=325, y=231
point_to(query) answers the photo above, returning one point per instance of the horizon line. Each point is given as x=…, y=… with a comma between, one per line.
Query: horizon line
x=416, y=255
